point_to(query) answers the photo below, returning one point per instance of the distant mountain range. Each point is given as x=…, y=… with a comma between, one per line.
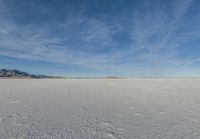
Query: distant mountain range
x=13, y=73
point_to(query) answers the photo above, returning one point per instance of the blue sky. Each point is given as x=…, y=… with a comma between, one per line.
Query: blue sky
x=130, y=38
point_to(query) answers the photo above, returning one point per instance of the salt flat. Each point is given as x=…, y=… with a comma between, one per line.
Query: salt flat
x=100, y=109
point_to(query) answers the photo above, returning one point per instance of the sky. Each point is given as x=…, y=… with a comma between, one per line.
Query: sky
x=126, y=38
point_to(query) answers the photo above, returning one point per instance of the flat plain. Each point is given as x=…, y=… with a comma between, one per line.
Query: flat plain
x=99, y=108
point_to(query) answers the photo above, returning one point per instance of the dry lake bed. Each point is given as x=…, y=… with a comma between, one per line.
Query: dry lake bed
x=100, y=109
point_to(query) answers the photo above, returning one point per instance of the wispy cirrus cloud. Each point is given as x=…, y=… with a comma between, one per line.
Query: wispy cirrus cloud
x=153, y=36
x=157, y=33
x=70, y=42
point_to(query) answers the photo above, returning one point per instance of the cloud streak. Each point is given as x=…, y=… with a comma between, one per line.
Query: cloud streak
x=154, y=37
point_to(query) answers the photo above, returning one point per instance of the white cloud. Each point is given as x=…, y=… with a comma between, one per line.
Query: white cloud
x=155, y=33
x=155, y=37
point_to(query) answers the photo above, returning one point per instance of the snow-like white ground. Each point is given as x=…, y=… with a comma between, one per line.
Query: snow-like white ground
x=100, y=109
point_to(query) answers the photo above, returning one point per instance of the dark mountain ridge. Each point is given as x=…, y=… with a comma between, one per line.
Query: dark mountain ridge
x=14, y=73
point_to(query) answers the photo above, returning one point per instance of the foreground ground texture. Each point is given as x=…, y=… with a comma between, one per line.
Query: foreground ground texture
x=100, y=109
